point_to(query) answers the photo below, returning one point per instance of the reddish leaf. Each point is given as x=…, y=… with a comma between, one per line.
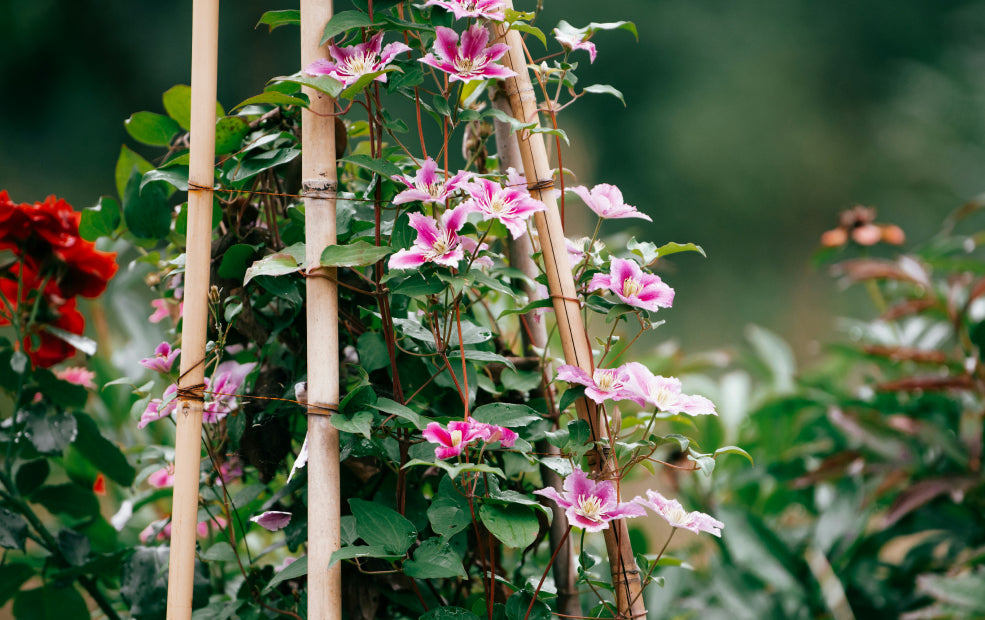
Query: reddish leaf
x=906, y=354
x=961, y=382
x=922, y=493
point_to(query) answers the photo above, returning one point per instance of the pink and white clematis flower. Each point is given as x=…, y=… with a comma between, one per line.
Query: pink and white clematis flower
x=633, y=286
x=226, y=382
x=603, y=384
x=674, y=513
x=157, y=409
x=437, y=242
x=510, y=205
x=607, y=202
x=591, y=505
x=665, y=392
x=348, y=64
x=451, y=441
x=164, y=357
x=486, y=9
x=426, y=186
x=572, y=40
x=472, y=60
x=272, y=520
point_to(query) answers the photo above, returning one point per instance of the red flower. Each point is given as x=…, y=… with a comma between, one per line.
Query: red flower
x=53, y=349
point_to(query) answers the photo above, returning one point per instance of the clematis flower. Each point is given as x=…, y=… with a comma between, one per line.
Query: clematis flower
x=674, y=513
x=272, y=520
x=163, y=309
x=633, y=286
x=427, y=186
x=607, y=202
x=471, y=247
x=226, y=381
x=348, y=64
x=471, y=60
x=451, y=441
x=574, y=40
x=162, y=478
x=591, y=505
x=603, y=384
x=665, y=392
x=163, y=359
x=157, y=409
x=491, y=433
x=436, y=242
x=510, y=205
x=487, y=9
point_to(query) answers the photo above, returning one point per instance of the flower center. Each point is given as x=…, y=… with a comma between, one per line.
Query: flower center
x=589, y=507
x=434, y=189
x=662, y=397
x=498, y=206
x=677, y=516
x=357, y=64
x=605, y=380
x=442, y=245
x=631, y=287
x=456, y=438
x=464, y=66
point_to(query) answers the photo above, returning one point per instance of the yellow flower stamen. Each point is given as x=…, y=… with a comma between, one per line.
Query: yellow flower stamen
x=589, y=507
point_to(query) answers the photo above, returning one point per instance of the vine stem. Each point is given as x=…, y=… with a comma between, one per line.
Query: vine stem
x=547, y=569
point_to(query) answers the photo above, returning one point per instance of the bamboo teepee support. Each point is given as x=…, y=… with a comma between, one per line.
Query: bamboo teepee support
x=560, y=282
x=320, y=180
x=198, y=256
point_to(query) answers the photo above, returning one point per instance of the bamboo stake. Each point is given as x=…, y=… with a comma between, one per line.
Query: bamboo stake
x=560, y=282
x=188, y=439
x=319, y=180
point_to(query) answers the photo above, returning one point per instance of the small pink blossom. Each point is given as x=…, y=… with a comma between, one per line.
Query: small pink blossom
x=78, y=375
x=427, y=187
x=665, y=392
x=451, y=441
x=164, y=533
x=272, y=520
x=674, y=513
x=572, y=40
x=603, y=384
x=162, y=309
x=487, y=9
x=590, y=505
x=157, y=409
x=510, y=205
x=164, y=357
x=492, y=433
x=162, y=478
x=473, y=248
x=471, y=60
x=348, y=64
x=436, y=242
x=607, y=202
x=221, y=390
x=633, y=286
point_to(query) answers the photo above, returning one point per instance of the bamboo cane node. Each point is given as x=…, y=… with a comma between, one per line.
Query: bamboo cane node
x=319, y=189
x=323, y=409
x=195, y=187
x=565, y=298
x=194, y=392
x=541, y=185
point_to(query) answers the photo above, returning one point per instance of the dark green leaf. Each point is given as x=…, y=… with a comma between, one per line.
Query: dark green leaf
x=50, y=603
x=50, y=434
x=297, y=568
x=343, y=21
x=413, y=76
x=276, y=19
x=100, y=220
x=372, y=350
x=69, y=498
x=506, y=414
x=570, y=395
x=229, y=134
x=105, y=455
x=514, y=525
x=401, y=411
x=235, y=261
x=358, y=254
x=125, y=164
x=434, y=560
x=74, y=547
x=273, y=98
x=144, y=584
x=380, y=166
x=220, y=552
x=521, y=381
x=379, y=525
x=12, y=577
x=449, y=613
x=255, y=164
x=481, y=356
x=289, y=260
x=147, y=213
x=32, y=475
x=61, y=392
x=13, y=530
x=359, y=422
x=362, y=551
x=449, y=514
x=539, y=303
x=151, y=128
x=518, y=604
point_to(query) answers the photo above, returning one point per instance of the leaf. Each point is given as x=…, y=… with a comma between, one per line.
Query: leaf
x=570, y=395
x=362, y=551
x=380, y=166
x=343, y=21
x=144, y=585
x=379, y=525
x=60, y=392
x=506, y=414
x=964, y=591
x=74, y=547
x=12, y=576
x=449, y=613
x=734, y=450
x=31, y=475
x=273, y=98
x=125, y=163
x=673, y=248
x=255, y=164
x=50, y=434
x=481, y=356
x=449, y=515
x=360, y=423
x=538, y=303
x=278, y=264
x=100, y=220
x=178, y=105
x=220, y=552
x=605, y=89
x=50, y=603
x=518, y=604
x=80, y=342
x=455, y=471
x=101, y=452
x=68, y=498
x=13, y=530
x=151, y=128
x=235, y=260
x=358, y=254
x=297, y=568
x=147, y=213
x=622, y=25
x=514, y=525
x=276, y=19
x=229, y=134
x=434, y=560
x=401, y=411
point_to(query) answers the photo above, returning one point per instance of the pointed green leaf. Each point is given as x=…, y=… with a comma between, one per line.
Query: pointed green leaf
x=12, y=576
x=273, y=98
x=605, y=89
x=379, y=525
x=514, y=525
x=105, y=455
x=80, y=342
x=734, y=450
x=401, y=411
x=125, y=163
x=362, y=551
x=176, y=177
x=50, y=434
x=50, y=602
x=674, y=248
x=100, y=220
x=297, y=568
x=276, y=19
x=510, y=415
x=343, y=21
x=178, y=104
x=358, y=254
x=229, y=134
x=380, y=166
x=220, y=552
x=290, y=260
x=147, y=213
x=434, y=560
x=13, y=530
x=151, y=128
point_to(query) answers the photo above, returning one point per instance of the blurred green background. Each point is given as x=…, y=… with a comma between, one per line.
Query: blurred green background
x=749, y=125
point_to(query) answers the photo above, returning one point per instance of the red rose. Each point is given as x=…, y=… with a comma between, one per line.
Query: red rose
x=53, y=349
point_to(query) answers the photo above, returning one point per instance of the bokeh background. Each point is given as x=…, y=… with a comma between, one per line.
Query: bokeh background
x=749, y=125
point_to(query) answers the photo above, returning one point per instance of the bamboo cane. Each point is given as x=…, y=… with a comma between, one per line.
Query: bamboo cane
x=188, y=439
x=319, y=180
x=521, y=257
x=560, y=283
